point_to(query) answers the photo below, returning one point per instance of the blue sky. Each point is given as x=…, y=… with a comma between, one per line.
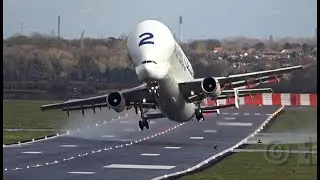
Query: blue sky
x=201, y=18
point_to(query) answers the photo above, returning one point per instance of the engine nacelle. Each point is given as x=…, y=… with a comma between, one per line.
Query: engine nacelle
x=211, y=87
x=116, y=101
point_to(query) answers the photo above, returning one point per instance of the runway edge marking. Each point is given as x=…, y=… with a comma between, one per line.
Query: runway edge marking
x=225, y=152
x=57, y=135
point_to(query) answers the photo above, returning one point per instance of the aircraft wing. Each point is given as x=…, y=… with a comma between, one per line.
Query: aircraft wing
x=131, y=96
x=240, y=81
x=225, y=81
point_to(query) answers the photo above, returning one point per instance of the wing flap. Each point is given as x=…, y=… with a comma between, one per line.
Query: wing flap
x=131, y=96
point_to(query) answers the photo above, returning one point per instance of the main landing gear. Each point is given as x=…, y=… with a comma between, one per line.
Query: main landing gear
x=144, y=122
x=199, y=114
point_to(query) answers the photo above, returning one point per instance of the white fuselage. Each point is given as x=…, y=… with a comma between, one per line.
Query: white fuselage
x=159, y=59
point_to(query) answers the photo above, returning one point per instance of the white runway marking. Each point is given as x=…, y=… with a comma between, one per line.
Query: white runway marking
x=107, y=136
x=246, y=114
x=268, y=114
x=32, y=152
x=130, y=130
x=225, y=113
x=257, y=114
x=146, y=154
x=152, y=122
x=210, y=131
x=196, y=137
x=235, y=113
x=68, y=145
x=172, y=147
x=229, y=118
x=233, y=124
x=135, y=166
x=79, y=172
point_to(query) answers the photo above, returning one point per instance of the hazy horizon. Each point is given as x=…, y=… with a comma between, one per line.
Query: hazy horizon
x=202, y=19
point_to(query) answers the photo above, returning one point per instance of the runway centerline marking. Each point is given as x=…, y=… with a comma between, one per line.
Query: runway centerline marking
x=225, y=113
x=32, y=152
x=210, y=131
x=148, y=154
x=80, y=172
x=257, y=114
x=246, y=114
x=68, y=145
x=196, y=137
x=172, y=147
x=235, y=113
x=229, y=118
x=233, y=124
x=107, y=136
x=136, y=166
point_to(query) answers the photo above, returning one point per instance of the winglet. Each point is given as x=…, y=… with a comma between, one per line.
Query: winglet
x=236, y=97
x=218, y=110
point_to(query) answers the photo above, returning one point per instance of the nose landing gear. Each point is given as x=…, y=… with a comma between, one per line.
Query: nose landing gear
x=144, y=122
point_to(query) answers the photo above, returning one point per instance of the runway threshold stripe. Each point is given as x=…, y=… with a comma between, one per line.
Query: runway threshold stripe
x=233, y=124
x=146, y=154
x=32, y=152
x=135, y=166
x=196, y=137
x=75, y=172
x=172, y=147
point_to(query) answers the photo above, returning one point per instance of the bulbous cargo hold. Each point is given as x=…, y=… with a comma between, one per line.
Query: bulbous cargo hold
x=211, y=87
x=116, y=101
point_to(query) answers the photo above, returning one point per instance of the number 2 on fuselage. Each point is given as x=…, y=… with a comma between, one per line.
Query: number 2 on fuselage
x=146, y=38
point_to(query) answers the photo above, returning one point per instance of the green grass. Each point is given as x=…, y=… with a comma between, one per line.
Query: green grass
x=26, y=114
x=19, y=114
x=255, y=166
x=10, y=137
x=296, y=120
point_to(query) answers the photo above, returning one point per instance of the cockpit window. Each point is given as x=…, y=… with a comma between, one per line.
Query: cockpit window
x=144, y=62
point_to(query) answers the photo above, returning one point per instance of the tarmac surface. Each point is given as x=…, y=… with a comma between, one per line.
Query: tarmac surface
x=119, y=150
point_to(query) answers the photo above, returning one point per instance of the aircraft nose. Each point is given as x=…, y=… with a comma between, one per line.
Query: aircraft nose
x=151, y=71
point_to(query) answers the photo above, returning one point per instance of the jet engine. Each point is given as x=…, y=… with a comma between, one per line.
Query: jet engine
x=211, y=87
x=116, y=101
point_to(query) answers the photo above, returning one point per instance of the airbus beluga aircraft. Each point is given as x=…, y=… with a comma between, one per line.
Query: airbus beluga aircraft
x=168, y=82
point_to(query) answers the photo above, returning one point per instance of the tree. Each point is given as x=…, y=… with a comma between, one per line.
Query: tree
x=259, y=46
x=287, y=46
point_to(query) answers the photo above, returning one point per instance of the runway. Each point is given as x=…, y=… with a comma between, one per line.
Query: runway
x=118, y=150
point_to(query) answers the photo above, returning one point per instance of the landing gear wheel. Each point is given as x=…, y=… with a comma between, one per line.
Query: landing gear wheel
x=141, y=125
x=147, y=124
x=199, y=115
